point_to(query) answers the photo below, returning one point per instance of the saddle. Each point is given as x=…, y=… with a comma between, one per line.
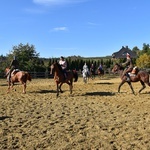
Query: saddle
x=134, y=71
x=14, y=72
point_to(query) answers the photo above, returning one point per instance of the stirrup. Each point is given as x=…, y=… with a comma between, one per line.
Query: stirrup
x=128, y=79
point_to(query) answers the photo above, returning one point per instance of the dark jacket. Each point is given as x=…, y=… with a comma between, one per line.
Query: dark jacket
x=14, y=64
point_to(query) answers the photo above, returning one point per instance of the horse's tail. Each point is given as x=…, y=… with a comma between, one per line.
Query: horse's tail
x=28, y=76
x=75, y=75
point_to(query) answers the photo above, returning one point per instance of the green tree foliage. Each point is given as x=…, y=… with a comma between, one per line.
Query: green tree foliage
x=136, y=50
x=3, y=64
x=146, y=49
x=28, y=57
x=143, y=61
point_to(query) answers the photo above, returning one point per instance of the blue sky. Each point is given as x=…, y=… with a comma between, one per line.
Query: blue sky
x=88, y=28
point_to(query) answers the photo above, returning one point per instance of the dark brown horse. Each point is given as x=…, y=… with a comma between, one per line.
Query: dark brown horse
x=100, y=72
x=141, y=76
x=18, y=76
x=59, y=77
x=92, y=73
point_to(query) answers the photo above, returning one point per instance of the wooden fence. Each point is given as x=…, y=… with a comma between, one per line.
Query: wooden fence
x=35, y=75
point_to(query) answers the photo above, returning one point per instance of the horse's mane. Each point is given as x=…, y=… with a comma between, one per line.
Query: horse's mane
x=121, y=67
x=59, y=66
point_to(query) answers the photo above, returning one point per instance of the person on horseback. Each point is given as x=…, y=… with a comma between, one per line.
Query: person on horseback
x=100, y=67
x=85, y=68
x=129, y=66
x=13, y=65
x=92, y=67
x=63, y=64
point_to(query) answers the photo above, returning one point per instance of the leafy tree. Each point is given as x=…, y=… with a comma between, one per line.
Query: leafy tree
x=28, y=57
x=146, y=49
x=136, y=50
x=143, y=61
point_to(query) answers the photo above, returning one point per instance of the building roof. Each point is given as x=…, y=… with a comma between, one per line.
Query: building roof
x=122, y=53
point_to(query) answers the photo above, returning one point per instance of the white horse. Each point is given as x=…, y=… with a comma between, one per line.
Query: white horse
x=85, y=74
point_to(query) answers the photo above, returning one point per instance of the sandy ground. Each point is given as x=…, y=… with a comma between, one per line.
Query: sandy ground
x=94, y=117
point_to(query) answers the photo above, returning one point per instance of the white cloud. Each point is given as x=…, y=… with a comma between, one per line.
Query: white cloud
x=60, y=29
x=57, y=2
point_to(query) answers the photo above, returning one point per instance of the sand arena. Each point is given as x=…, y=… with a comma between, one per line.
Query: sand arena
x=94, y=117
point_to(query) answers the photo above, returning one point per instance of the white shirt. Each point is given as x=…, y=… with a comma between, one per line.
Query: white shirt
x=63, y=64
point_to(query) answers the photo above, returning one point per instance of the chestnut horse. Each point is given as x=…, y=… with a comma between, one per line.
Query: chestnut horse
x=18, y=76
x=59, y=77
x=139, y=75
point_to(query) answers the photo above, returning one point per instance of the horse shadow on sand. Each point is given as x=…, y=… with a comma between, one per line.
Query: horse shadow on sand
x=4, y=117
x=104, y=83
x=43, y=91
x=102, y=93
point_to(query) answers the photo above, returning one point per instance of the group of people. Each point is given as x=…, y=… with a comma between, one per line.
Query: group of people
x=92, y=68
x=129, y=66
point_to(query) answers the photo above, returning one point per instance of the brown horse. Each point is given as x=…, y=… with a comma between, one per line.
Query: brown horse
x=141, y=76
x=92, y=73
x=100, y=72
x=17, y=76
x=59, y=77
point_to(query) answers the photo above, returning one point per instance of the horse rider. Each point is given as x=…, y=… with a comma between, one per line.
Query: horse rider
x=129, y=66
x=13, y=65
x=100, y=67
x=85, y=68
x=63, y=64
x=92, y=68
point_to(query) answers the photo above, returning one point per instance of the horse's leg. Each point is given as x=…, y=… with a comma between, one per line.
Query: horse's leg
x=9, y=85
x=24, y=88
x=12, y=86
x=59, y=87
x=120, y=85
x=131, y=87
x=143, y=86
x=85, y=79
x=57, y=90
x=71, y=86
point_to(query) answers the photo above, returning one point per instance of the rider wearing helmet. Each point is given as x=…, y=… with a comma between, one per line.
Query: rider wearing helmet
x=129, y=66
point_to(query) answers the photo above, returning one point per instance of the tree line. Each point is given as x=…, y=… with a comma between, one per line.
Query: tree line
x=29, y=59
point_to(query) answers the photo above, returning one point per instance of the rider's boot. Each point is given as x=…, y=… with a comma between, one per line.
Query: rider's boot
x=128, y=77
x=65, y=76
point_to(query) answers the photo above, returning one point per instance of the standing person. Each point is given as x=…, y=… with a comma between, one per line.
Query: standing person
x=129, y=66
x=13, y=65
x=63, y=64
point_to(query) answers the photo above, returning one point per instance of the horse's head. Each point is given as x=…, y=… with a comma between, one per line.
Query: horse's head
x=56, y=67
x=51, y=68
x=6, y=71
x=116, y=68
